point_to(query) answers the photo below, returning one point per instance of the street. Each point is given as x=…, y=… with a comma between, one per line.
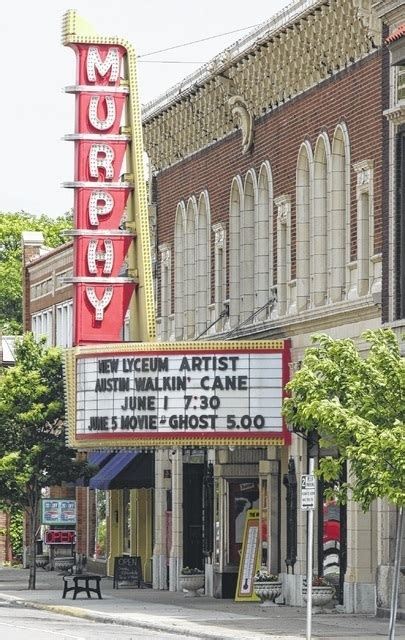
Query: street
x=19, y=623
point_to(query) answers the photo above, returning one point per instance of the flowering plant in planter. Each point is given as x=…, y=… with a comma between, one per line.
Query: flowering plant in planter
x=267, y=586
x=322, y=593
x=188, y=571
x=264, y=576
x=319, y=581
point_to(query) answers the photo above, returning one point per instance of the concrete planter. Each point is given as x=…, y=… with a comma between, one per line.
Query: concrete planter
x=268, y=592
x=41, y=561
x=192, y=583
x=321, y=596
x=63, y=564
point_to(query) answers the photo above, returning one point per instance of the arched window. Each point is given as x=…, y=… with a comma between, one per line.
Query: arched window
x=264, y=255
x=165, y=290
x=339, y=227
x=203, y=263
x=319, y=228
x=235, y=208
x=179, y=260
x=190, y=269
x=247, y=238
x=303, y=216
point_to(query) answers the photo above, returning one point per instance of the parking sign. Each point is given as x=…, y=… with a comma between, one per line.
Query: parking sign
x=308, y=492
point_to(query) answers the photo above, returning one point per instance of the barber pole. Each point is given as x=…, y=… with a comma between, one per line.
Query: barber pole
x=111, y=231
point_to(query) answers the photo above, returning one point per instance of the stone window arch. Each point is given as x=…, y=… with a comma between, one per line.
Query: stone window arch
x=264, y=239
x=235, y=208
x=304, y=181
x=339, y=226
x=203, y=262
x=319, y=226
x=190, y=268
x=179, y=262
x=247, y=238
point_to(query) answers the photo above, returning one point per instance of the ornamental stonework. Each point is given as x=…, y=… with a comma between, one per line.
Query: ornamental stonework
x=330, y=37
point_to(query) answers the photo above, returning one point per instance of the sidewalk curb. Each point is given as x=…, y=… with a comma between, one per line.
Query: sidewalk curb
x=77, y=612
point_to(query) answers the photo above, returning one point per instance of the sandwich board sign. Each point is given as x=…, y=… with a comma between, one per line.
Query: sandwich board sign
x=249, y=562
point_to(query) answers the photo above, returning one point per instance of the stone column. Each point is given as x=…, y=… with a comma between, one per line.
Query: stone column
x=162, y=465
x=176, y=552
x=359, y=587
x=209, y=567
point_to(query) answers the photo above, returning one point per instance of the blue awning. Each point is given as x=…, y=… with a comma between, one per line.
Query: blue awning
x=126, y=470
x=98, y=458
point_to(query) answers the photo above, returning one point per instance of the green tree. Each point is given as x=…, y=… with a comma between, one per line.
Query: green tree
x=358, y=404
x=32, y=436
x=11, y=227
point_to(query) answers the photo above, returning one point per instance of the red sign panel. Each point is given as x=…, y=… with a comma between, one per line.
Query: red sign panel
x=60, y=536
x=100, y=305
x=102, y=293
x=100, y=209
x=93, y=110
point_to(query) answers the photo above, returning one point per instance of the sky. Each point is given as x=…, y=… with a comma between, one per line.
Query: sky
x=36, y=114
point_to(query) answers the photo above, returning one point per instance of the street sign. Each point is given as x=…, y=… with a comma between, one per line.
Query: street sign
x=308, y=492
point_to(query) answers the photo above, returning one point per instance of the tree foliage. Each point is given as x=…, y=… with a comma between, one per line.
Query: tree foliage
x=357, y=404
x=33, y=453
x=11, y=227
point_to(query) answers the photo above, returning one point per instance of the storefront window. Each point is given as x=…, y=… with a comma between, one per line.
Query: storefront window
x=126, y=496
x=217, y=536
x=243, y=495
x=101, y=524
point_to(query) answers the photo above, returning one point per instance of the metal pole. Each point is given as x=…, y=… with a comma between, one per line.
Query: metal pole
x=397, y=568
x=310, y=559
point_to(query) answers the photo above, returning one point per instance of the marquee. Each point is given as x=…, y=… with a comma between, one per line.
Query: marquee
x=164, y=394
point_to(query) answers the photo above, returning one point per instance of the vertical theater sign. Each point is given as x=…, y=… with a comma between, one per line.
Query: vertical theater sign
x=140, y=393
x=112, y=266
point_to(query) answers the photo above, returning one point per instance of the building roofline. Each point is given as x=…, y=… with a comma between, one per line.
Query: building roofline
x=226, y=58
x=50, y=253
x=396, y=35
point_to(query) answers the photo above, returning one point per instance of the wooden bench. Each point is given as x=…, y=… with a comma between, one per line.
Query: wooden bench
x=81, y=582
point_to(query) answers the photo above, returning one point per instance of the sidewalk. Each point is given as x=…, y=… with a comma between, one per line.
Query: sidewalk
x=202, y=617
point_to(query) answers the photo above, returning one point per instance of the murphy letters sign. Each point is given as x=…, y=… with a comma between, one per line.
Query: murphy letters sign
x=111, y=229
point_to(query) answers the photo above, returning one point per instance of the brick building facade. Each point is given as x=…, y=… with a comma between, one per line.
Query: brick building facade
x=272, y=188
x=47, y=311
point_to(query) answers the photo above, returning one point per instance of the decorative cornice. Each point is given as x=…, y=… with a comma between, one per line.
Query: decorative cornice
x=390, y=11
x=219, y=234
x=312, y=320
x=397, y=34
x=364, y=170
x=298, y=53
x=283, y=204
x=165, y=254
x=396, y=114
x=241, y=112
